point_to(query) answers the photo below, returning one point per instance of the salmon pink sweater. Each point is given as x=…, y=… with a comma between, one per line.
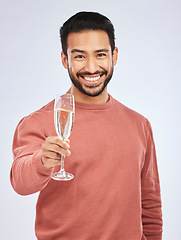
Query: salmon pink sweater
x=115, y=194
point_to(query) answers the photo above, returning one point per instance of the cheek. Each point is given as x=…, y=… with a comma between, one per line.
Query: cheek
x=76, y=67
x=72, y=68
x=106, y=63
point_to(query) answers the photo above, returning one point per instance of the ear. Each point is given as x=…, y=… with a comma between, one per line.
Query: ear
x=64, y=60
x=115, y=56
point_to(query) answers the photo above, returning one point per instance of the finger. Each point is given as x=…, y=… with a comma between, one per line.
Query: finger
x=52, y=155
x=67, y=141
x=53, y=148
x=48, y=162
x=59, y=142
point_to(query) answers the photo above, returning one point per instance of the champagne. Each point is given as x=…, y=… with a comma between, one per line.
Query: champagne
x=63, y=122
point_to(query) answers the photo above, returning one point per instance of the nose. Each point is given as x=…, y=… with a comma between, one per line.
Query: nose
x=91, y=65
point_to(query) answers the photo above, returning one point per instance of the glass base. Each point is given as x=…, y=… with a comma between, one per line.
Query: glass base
x=62, y=176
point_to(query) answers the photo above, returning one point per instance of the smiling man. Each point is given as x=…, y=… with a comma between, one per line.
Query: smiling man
x=90, y=60
x=115, y=194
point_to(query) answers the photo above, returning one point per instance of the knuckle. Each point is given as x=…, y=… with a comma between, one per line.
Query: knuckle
x=66, y=153
x=57, y=140
x=48, y=139
x=57, y=148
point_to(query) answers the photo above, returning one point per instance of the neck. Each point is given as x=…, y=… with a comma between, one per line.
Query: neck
x=83, y=98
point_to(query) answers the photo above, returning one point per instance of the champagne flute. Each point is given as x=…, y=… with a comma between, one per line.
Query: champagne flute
x=63, y=120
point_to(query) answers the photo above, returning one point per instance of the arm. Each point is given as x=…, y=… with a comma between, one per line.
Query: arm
x=28, y=175
x=151, y=199
x=35, y=156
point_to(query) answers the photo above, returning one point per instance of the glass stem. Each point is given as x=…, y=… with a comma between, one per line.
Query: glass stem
x=62, y=163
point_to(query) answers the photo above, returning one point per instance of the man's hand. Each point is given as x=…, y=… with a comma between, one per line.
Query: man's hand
x=52, y=149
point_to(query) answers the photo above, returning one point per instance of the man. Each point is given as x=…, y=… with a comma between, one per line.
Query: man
x=115, y=194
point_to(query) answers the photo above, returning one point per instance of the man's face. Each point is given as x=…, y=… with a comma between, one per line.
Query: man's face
x=89, y=61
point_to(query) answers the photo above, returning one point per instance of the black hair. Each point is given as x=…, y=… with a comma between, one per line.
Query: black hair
x=83, y=21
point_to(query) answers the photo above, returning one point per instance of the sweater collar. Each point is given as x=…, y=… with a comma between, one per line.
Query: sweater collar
x=94, y=106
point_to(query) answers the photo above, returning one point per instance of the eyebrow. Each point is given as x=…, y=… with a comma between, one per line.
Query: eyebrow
x=82, y=51
x=77, y=50
x=102, y=50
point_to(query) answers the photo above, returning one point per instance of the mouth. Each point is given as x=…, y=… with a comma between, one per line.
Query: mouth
x=92, y=79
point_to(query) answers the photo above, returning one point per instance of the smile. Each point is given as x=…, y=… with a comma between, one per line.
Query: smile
x=92, y=79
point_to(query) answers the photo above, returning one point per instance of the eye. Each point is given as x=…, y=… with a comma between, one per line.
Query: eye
x=101, y=55
x=79, y=56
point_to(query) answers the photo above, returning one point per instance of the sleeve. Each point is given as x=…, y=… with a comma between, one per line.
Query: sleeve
x=28, y=175
x=150, y=187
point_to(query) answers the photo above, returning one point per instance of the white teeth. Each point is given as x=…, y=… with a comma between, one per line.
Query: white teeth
x=92, y=79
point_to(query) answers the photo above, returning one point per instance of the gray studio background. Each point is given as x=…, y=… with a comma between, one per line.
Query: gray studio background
x=146, y=79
